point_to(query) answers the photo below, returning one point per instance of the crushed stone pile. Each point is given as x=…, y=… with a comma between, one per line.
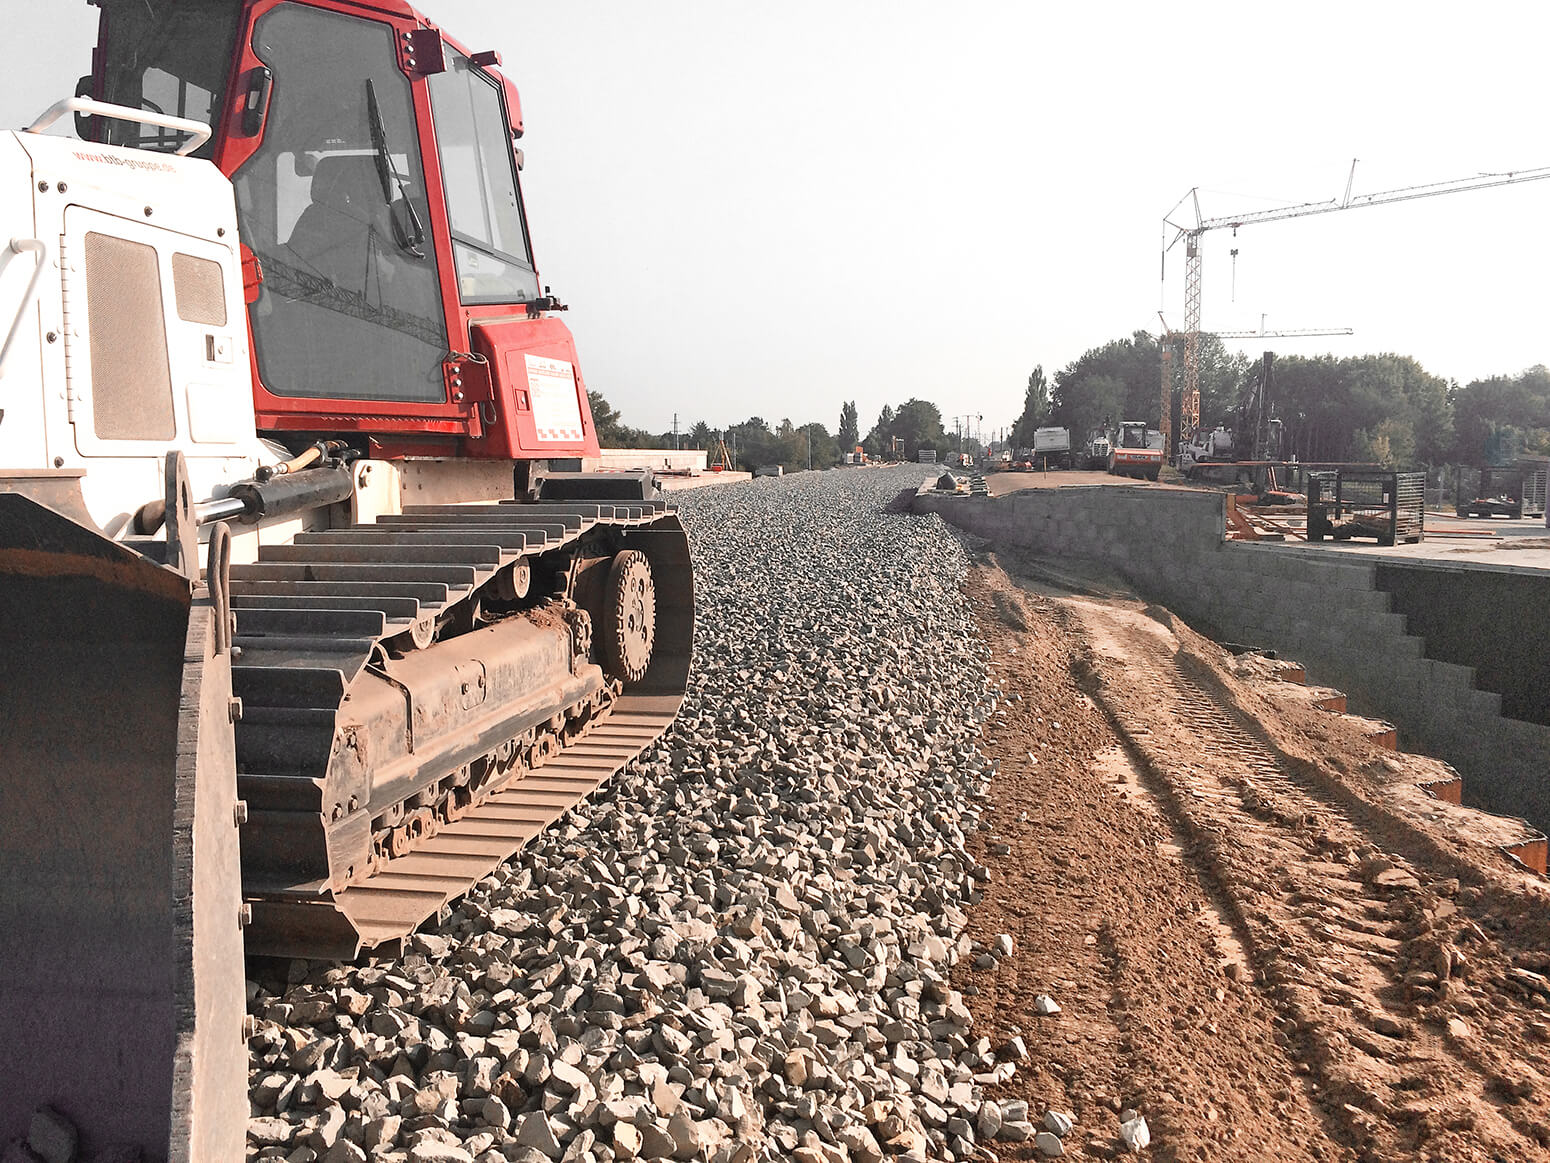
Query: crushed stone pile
x=738, y=950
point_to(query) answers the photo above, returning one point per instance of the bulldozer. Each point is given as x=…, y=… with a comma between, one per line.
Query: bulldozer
x=310, y=615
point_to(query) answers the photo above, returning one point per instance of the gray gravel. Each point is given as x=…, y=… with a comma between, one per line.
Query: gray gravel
x=737, y=951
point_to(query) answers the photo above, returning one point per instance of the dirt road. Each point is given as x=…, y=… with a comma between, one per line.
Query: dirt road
x=1260, y=934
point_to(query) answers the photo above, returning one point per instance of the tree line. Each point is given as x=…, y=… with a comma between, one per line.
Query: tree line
x=1383, y=408
x=900, y=433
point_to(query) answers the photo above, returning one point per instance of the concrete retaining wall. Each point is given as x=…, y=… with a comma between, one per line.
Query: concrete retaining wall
x=659, y=459
x=1323, y=609
x=1486, y=617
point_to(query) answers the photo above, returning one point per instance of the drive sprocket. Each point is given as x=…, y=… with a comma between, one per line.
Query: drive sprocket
x=627, y=629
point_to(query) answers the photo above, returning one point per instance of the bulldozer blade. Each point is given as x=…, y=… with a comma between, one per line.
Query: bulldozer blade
x=121, y=973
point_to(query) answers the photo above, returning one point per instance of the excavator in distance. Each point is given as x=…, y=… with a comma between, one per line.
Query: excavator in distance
x=309, y=616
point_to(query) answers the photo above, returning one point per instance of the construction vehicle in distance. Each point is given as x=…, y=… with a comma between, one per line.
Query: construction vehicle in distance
x=1052, y=447
x=1254, y=437
x=1095, y=453
x=308, y=618
x=1135, y=450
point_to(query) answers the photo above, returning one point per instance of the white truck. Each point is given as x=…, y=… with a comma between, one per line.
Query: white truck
x=1052, y=447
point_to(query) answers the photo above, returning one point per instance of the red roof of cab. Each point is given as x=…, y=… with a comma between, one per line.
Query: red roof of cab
x=403, y=9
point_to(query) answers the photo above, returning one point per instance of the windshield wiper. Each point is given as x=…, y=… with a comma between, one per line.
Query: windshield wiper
x=412, y=240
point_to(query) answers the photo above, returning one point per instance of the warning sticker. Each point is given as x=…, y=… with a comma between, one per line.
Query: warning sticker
x=556, y=412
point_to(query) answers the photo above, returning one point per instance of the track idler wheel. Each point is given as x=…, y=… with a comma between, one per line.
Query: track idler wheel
x=627, y=629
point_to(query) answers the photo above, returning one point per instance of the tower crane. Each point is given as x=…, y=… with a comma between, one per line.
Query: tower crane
x=1185, y=421
x=1190, y=412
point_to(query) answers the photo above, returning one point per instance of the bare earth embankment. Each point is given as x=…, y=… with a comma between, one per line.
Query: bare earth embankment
x=1261, y=935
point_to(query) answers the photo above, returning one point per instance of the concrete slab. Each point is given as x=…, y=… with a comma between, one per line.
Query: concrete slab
x=676, y=484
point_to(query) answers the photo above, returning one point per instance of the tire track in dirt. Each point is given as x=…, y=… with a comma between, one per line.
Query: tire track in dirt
x=1334, y=925
x=1109, y=918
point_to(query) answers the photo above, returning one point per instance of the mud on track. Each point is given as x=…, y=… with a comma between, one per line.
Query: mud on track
x=1251, y=944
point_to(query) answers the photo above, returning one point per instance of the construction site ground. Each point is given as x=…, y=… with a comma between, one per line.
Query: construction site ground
x=1261, y=933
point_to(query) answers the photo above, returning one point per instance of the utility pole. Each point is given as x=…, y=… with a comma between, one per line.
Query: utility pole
x=809, y=448
x=675, y=431
x=964, y=426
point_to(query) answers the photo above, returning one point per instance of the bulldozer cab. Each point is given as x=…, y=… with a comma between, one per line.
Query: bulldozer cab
x=377, y=186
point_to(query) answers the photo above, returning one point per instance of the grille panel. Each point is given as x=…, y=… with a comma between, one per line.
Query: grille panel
x=199, y=289
x=131, y=379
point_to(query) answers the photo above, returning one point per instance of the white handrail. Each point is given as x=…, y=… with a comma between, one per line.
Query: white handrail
x=198, y=129
x=21, y=246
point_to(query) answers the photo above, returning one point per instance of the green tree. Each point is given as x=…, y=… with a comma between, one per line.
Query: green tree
x=825, y=450
x=752, y=443
x=1133, y=365
x=700, y=436
x=879, y=441
x=1222, y=376
x=849, y=432
x=1087, y=401
x=919, y=424
x=1036, y=409
x=1384, y=407
x=605, y=418
x=612, y=432
x=1499, y=417
x=916, y=424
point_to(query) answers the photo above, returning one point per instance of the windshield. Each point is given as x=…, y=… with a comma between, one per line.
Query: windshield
x=473, y=138
x=167, y=56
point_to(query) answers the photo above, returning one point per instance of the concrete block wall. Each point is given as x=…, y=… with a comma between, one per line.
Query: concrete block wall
x=1491, y=617
x=1322, y=609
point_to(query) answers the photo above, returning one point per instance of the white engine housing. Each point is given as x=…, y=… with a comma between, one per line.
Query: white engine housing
x=137, y=341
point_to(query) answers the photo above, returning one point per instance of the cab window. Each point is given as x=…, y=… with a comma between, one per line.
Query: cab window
x=167, y=56
x=473, y=139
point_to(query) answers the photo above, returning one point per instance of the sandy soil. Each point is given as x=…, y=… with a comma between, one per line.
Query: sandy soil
x=1001, y=483
x=1261, y=934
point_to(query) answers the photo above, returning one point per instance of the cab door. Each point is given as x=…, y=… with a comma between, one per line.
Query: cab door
x=334, y=205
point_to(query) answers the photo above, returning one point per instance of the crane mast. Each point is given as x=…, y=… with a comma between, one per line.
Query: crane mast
x=1192, y=236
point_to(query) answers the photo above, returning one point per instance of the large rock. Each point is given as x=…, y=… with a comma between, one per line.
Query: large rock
x=535, y=1131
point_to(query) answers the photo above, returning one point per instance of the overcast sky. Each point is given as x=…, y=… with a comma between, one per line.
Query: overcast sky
x=769, y=209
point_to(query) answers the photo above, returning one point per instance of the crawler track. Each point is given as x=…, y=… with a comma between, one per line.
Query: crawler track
x=1365, y=956
x=412, y=715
